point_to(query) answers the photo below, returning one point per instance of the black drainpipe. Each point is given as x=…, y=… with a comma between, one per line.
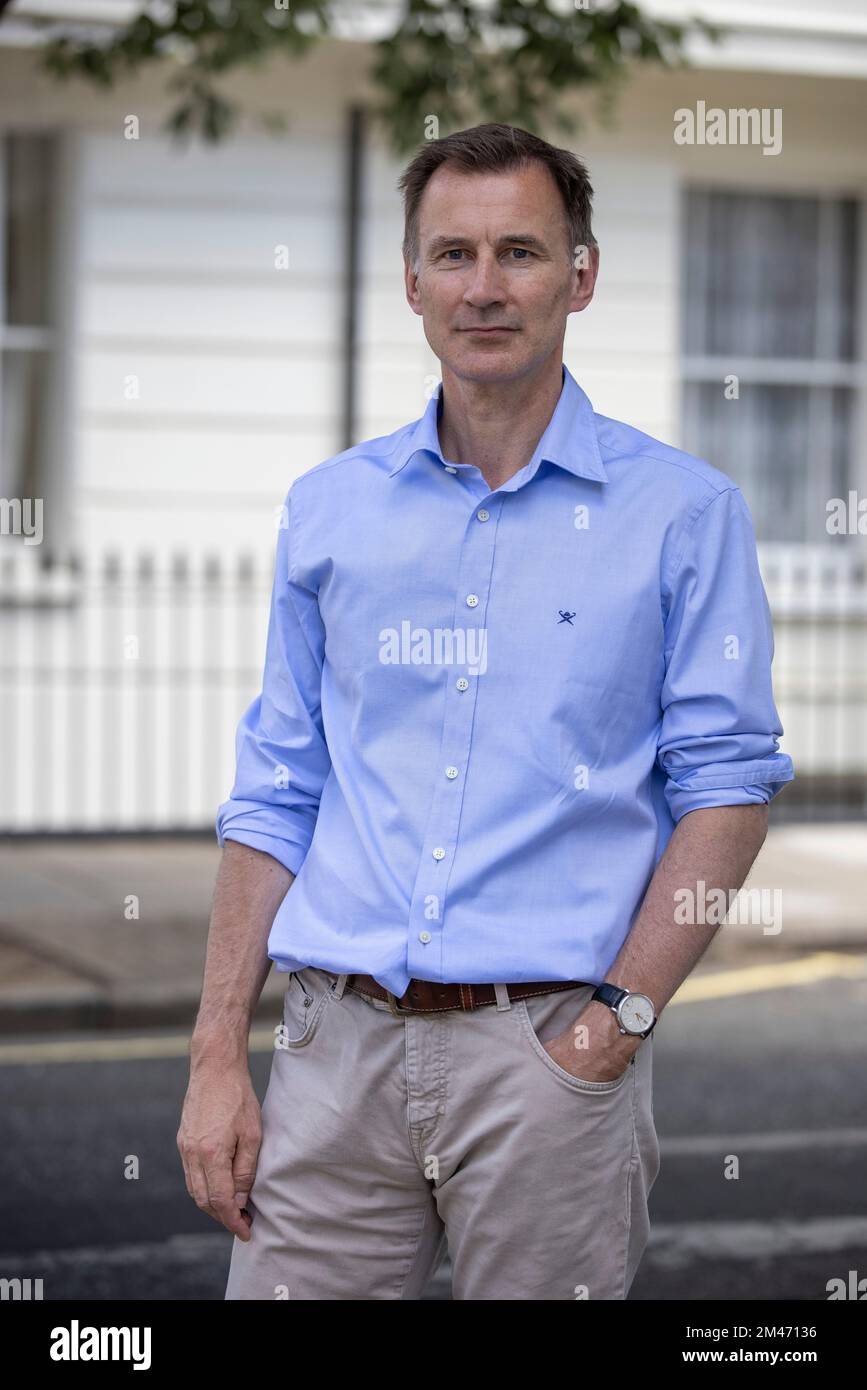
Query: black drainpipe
x=352, y=279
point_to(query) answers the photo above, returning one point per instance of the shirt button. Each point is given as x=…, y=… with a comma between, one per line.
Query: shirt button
x=439, y=852
x=462, y=683
x=472, y=600
x=482, y=515
x=449, y=468
x=451, y=772
x=424, y=937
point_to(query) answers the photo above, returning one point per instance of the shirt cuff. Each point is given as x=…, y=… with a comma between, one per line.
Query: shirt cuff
x=730, y=789
x=290, y=855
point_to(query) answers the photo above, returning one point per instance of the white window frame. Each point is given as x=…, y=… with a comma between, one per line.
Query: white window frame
x=809, y=372
x=56, y=465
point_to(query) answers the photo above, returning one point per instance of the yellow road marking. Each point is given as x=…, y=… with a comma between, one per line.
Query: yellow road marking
x=112, y=1049
x=719, y=984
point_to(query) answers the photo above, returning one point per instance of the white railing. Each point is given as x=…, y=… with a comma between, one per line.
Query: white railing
x=818, y=596
x=122, y=680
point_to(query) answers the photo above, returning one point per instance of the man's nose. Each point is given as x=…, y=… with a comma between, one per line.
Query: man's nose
x=486, y=282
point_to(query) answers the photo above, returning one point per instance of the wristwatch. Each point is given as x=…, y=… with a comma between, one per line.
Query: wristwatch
x=635, y=1013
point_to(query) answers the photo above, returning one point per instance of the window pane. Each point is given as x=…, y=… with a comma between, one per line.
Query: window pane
x=787, y=448
x=848, y=296
x=29, y=181
x=24, y=376
x=754, y=286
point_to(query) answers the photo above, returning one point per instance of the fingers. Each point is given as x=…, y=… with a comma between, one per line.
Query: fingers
x=244, y=1166
x=219, y=1157
x=244, y=1175
x=217, y=1174
x=188, y=1176
x=211, y=1185
x=199, y=1184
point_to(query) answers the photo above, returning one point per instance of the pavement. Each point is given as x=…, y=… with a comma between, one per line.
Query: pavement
x=111, y=932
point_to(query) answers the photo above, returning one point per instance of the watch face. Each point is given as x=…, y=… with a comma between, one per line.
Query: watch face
x=636, y=1013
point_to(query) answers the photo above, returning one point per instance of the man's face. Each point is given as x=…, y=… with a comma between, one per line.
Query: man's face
x=493, y=255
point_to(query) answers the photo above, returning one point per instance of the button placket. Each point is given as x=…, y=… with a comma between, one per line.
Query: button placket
x=472, y=590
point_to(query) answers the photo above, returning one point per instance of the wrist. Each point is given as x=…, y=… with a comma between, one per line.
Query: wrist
x=611, y=1035
x=224, y=1044
x=633, y=1011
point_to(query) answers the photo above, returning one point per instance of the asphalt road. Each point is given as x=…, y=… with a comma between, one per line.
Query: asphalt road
x=756, y=1065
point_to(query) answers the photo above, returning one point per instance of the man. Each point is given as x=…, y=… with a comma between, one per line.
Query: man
x=516, y=702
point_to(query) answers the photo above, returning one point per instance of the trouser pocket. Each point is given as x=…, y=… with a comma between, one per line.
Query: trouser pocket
x=307, y=996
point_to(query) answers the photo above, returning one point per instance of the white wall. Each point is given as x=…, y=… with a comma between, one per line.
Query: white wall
x=239, y=364
x=171, y=256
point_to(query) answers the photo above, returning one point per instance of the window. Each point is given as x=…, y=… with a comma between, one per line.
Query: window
x=27, y=184
x=769, y=297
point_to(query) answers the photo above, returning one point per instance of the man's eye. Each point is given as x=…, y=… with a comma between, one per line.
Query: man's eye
x=520, y=251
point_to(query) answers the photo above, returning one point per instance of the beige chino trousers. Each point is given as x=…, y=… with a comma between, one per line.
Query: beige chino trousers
x=387, y=1139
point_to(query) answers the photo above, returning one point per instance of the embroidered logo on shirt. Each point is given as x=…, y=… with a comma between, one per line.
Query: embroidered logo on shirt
x=565, y=617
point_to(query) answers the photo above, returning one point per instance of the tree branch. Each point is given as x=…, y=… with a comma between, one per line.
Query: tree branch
x=457, y=60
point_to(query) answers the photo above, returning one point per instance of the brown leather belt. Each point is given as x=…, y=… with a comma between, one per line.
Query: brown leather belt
x=427, y=996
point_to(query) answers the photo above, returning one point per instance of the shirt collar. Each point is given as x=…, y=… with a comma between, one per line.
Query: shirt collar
x=569, y=440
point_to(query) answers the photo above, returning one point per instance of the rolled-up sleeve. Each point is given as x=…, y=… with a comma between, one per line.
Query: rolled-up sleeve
x=281, y=756
x=718, y=743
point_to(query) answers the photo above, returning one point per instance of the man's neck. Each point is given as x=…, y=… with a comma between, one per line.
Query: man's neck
x=497, y=427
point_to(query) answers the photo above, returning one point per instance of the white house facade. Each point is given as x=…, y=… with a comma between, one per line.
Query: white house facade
x=185, y=331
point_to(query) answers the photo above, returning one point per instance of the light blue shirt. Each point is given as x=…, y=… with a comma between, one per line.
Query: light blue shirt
x=483, y=712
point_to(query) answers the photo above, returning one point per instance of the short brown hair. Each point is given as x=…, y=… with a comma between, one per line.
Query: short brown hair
x=493, y=148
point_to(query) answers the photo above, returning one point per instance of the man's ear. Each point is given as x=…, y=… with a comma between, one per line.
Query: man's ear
x=410, y=280
x=586, y=265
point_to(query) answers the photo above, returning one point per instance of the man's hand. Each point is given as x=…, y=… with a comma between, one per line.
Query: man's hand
x=221, y=1124
x=710, y=848
x=607, y=1052
x=219, y=1139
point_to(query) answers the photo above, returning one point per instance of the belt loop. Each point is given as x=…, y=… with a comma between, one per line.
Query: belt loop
x=339, y=986
x=466, y=997
x=503, y=1000
x=392, y=1003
